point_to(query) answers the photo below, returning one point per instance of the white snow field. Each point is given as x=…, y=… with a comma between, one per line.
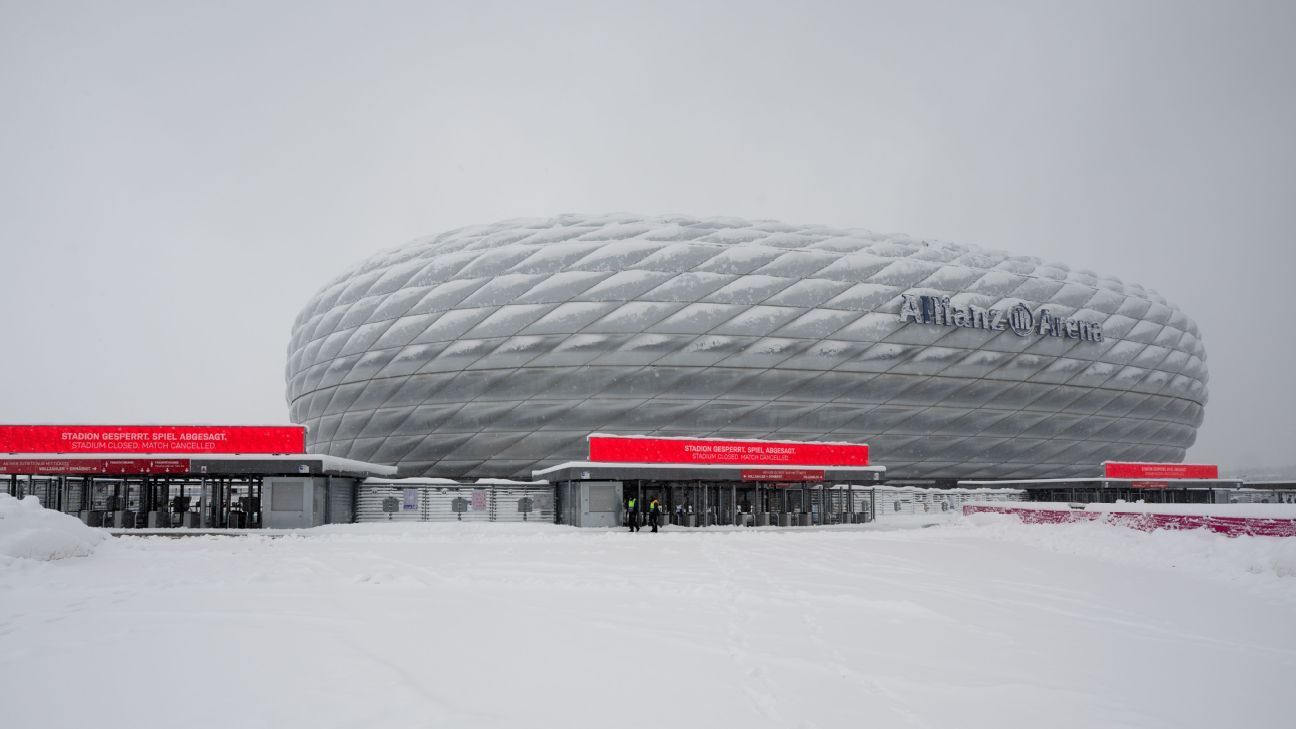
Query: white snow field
x=973, y=622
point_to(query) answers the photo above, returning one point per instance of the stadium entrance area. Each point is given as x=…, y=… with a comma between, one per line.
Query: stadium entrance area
x=167, y=476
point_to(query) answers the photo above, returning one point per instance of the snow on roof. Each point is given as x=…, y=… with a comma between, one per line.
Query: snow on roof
x=933, y=490
x=1156, y=463
x=417, y=481
x=326, y=462
x=1202, y=482
x=348, y=464
x=426, y=481
x=709, y=466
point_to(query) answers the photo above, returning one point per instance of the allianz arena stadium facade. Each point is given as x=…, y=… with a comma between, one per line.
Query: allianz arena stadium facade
x=495, y=350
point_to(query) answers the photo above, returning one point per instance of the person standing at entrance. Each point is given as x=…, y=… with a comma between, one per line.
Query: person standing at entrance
x=632, y=514
x=654, y=513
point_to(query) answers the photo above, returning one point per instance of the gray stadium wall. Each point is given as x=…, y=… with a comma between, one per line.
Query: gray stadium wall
x=493, y=350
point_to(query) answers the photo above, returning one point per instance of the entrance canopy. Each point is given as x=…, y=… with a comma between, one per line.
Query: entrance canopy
x=702, y=482
x=673, y=458
x=132, y=439
x=169, y=464
x=164, y=476
x=596, y=471
x=1140, y=484
x=169, y=450
x=1128, y=481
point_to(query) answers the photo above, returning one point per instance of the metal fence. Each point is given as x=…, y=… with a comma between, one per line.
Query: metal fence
x=416, y=500
x=916, y=501
x=379, y=500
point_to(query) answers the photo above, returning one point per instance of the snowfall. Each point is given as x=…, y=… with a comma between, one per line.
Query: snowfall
x=941, y=621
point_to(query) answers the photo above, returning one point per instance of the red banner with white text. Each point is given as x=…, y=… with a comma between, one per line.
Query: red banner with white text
x=617, y=449
x=1114, y=469
x=77, y=466
x=152, y=439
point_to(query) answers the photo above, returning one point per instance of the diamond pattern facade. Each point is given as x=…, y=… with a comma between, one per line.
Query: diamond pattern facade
x=493, y=350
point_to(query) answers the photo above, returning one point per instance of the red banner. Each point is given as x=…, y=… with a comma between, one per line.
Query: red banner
x=1231, y=526
x=79, y=466
x=136, y=465
x=152, y=439
x=773, y=474
x=1159, y=470
x=617, y=449
x=1149, y=484
x=50, y=467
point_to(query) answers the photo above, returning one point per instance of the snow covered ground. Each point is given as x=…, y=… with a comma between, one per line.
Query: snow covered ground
x=976, y=622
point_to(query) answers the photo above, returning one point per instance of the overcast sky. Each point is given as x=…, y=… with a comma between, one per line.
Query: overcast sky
x=177, y=178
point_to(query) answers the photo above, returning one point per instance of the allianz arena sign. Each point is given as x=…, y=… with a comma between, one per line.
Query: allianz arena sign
x=1018, y=318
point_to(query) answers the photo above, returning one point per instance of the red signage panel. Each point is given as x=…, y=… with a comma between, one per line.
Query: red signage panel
x=50, y=466
x=79, y=466
x=170, y=465
x=152, y=439
x=619, y=449
x=781, y=474
x=1113, y=469
x=1149, y=484
x=150, y=465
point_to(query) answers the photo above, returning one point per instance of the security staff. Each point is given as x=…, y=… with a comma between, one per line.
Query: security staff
x=654, y=513
x=632, y=514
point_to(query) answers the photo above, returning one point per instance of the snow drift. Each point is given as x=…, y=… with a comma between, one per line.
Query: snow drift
x=1234, y=520
x=1194, y=550
x=30, y=531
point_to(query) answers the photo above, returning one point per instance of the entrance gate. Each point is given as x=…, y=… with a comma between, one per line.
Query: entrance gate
x=698, y=503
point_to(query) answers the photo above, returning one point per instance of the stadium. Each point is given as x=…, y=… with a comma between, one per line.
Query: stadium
x=494, y=351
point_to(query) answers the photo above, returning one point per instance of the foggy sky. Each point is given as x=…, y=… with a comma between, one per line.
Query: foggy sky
x=176, y=179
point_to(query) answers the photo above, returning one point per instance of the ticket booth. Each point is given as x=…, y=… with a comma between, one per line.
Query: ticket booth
x=591, y=503
x=294, y=502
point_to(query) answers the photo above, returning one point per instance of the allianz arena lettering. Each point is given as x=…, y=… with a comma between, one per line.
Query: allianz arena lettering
x=495, y=350
x=923, y=309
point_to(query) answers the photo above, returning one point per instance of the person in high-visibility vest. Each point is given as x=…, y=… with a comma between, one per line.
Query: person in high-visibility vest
x=632, y=514
x=654, y=513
